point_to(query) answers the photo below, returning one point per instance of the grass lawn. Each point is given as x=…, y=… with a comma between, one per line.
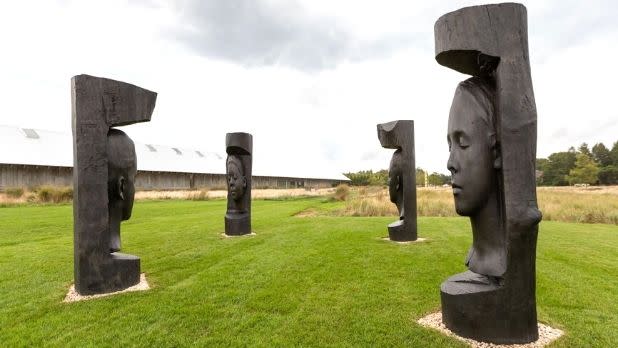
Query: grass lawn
x=311, y=281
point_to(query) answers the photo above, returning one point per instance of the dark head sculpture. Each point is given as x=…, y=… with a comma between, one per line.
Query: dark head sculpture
x=236, y=179
x=474, y=163
x=492, y=141
x=239, y=149
x=395, y=182
x=474, y=151
x=122, y=168
x=399, y=135
x=104, y=169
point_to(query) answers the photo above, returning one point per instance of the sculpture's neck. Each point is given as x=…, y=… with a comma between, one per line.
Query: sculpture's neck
x=115, y=218
x=488, y=253
x=487, y=219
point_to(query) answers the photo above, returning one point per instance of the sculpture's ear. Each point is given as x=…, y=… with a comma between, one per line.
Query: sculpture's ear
x=121, y=186
x=399, y=182
x=244, y=181
x=495, y=151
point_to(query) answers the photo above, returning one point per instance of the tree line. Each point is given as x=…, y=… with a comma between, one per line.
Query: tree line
x=596, y=166
x=380, y=178
x=581, y=166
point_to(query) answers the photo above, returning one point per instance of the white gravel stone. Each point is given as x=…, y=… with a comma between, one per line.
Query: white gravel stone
x=418, y=240
x=223, y=235
x=546, y=334
x=73, y=296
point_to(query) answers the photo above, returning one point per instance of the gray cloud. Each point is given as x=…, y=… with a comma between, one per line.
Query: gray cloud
x=259, y=33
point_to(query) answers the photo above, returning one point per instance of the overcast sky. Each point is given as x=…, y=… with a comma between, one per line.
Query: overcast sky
x=310, y=79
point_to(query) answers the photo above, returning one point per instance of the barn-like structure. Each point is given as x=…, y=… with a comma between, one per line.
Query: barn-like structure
x=34, y=157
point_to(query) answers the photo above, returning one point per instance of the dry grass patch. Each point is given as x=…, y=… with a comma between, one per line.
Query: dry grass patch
x=567, y=204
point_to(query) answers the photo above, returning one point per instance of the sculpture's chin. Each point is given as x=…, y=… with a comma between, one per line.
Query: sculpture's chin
x=461, y=208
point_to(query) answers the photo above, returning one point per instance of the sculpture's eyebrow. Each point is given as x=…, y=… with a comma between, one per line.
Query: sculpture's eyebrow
x=457, y=133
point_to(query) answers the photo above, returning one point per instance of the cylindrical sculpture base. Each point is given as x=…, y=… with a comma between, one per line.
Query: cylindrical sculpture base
x=398, y=231
x=237, y=224
x=475, y=307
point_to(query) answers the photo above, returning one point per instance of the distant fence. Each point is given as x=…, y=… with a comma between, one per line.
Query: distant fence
x=17, y=175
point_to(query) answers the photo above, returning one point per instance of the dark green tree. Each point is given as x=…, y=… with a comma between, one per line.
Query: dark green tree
x=583, y=148
x=614, y=153
x=541, y=166
x=438, y=179
x=361, y=178
x=379, y=178
x=608, y=175
x=420, y=176
x=557, y=167
x=586, y=171
x=601, y=155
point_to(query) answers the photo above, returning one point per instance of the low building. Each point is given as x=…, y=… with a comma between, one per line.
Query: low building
x=33, y=157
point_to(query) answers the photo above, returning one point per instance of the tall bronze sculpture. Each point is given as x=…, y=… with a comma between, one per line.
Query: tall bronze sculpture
x=492, y=143
x=239, y=148
x=399, y=135
x=104, y=168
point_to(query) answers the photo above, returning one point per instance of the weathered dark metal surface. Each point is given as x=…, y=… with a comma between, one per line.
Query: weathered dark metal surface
x=239, y=148
x=103, y=176
x=399, y=135
x=495, y=300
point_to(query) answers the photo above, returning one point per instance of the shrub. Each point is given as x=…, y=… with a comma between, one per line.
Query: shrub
x=14, y=192
x=201, y=195
x=51, y=194
x=341, y=192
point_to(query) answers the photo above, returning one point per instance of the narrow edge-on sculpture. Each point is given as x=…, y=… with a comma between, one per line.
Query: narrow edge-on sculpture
x=399, y=135
x=239, y=148
x=492, y=143
x=104, y=169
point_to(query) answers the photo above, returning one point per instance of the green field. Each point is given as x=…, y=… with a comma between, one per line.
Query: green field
x=311, y=281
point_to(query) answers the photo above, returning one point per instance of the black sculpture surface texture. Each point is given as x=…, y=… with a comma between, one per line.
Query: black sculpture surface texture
x=239, y=148
x=104, y=171
x=492, y=143
x=399, y=135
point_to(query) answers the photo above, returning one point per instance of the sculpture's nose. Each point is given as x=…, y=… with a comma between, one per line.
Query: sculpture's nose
x=450, y=164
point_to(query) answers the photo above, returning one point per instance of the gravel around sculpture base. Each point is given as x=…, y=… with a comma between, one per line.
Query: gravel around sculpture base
x=547, y=334
x=74, y=296
x=417, y=240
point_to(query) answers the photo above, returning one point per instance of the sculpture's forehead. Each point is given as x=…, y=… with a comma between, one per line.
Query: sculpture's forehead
x=234, y=166
x=466, y=113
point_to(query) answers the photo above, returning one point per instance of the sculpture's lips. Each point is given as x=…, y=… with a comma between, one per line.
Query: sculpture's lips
x=456, y=189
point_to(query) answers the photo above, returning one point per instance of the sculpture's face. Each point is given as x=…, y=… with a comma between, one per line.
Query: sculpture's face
x=129, y=191
x=236, y=181
x=122, y=168
x=395, y=172
x=471, y=161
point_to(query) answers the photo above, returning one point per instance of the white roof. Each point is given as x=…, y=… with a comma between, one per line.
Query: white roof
x=49, y=148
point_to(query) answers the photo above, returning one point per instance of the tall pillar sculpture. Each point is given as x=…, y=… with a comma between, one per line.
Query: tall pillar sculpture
x=104, y=168
x=399, y=135
x=239, y=148
x=492, y=143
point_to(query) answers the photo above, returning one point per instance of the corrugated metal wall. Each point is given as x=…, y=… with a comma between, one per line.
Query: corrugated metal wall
x=14, y=175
